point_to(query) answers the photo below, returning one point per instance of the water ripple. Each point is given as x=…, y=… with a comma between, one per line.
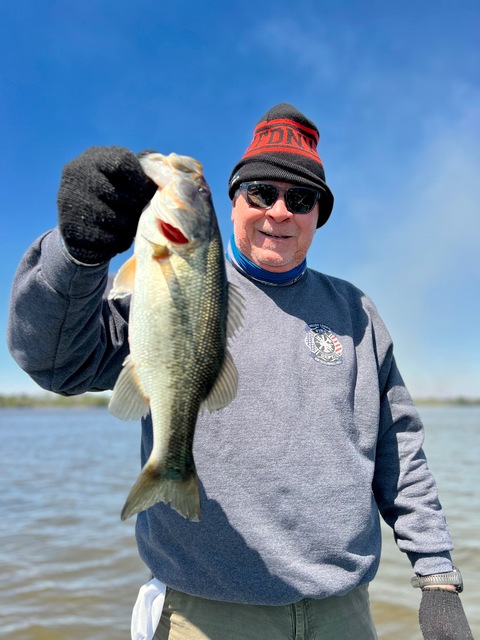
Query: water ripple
x=70, y=567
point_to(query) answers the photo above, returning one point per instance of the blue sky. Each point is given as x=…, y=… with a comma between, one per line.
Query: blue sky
x=394, y=88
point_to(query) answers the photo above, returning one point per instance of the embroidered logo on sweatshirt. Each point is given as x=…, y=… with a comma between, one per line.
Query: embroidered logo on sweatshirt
x=323, y=344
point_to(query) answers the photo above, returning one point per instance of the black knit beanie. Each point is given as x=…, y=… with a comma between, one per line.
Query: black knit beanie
x=284, y=149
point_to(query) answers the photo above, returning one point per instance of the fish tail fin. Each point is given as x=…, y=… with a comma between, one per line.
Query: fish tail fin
x=152, y=487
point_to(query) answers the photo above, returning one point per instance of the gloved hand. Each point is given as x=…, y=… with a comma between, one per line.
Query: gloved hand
x=102, y=194
x=442, y=616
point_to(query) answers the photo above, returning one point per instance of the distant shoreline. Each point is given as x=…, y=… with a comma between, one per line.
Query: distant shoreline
x=52, y=400
x=456, y=402
x=92, y=400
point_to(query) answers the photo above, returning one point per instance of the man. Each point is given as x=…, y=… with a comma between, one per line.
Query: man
x=321, y=436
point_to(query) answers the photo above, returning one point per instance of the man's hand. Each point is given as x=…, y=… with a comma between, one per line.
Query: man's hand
x=442, y=616
x=102, y=194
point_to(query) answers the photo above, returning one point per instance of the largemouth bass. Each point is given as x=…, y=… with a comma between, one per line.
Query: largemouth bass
x=182, y=311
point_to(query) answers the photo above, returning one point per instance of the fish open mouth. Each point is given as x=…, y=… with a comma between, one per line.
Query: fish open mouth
x=171, y=233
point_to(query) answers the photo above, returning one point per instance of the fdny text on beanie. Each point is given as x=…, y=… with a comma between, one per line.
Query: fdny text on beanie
x=284, y=149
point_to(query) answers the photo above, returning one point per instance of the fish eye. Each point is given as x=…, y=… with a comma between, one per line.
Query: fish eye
x=203, y=190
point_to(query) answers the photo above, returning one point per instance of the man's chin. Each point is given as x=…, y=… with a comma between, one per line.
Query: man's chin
x=274, y=262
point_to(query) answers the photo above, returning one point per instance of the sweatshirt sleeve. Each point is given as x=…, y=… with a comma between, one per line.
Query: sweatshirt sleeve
x=403, y=485
x=61, y=328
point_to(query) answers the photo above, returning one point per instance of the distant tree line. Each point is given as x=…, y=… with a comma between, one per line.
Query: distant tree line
x=101, y=400
x=459, y=401
x=53, y=400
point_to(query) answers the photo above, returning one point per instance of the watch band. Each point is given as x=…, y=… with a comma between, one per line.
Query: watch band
x=452, y=577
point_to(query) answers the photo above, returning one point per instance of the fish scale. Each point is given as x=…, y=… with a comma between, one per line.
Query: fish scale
x=182, y=312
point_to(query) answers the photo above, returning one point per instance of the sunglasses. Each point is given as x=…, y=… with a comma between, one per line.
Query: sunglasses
x=263, y=196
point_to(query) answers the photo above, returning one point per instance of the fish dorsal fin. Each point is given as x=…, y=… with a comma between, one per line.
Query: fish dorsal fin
x=127, y=401
x=124, y=280
x=236, y=306
x=225, y=388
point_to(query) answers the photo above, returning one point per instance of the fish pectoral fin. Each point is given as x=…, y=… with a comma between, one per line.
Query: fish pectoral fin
x=127, y=401
x=124, y=280
x=225, y=388
x=236, y=306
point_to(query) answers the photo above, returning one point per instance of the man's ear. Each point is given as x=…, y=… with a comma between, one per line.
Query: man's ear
x=234, y=202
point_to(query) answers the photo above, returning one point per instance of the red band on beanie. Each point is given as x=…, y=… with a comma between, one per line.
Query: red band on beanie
x=284, y=136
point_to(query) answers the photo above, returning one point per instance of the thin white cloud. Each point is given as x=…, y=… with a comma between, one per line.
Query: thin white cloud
x=424, y=264
x=305, y=46
x=404, y=164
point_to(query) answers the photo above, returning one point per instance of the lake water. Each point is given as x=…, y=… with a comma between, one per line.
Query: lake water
x=70, y=568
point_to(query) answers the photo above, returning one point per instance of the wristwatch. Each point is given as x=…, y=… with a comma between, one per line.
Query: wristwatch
x=452, y=577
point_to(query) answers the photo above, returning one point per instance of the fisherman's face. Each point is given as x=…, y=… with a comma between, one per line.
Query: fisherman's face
x=274, y=239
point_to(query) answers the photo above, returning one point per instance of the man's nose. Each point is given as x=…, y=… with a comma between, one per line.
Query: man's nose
x=279, y=211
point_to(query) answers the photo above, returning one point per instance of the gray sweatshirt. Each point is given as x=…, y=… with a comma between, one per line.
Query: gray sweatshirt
x=321, y=438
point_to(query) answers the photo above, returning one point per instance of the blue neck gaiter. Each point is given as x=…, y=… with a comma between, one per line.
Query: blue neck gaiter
x=254, y=272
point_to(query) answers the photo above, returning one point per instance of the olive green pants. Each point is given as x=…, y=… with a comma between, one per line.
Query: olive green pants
x=187, y=617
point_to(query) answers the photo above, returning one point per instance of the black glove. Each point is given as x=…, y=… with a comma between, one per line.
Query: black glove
x=442, y=616
x=102, y=194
